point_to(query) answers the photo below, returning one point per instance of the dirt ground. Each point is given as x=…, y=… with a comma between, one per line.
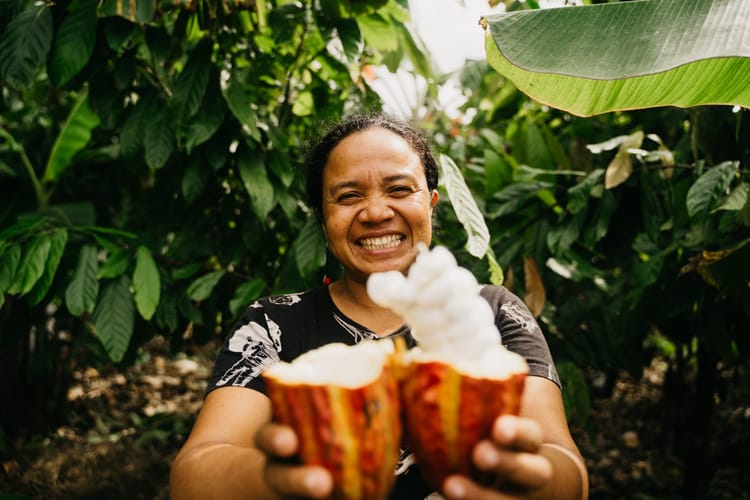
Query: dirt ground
x=126, y=428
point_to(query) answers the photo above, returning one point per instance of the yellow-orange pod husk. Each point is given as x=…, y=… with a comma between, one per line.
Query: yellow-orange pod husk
x=355, y=433
x=447, y=413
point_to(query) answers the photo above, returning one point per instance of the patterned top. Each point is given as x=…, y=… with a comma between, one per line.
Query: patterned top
x=285, y=326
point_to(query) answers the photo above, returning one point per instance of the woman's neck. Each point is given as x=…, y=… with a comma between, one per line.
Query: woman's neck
x=351, y=297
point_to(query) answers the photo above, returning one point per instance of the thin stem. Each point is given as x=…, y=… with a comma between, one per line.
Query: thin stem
x=41, y=197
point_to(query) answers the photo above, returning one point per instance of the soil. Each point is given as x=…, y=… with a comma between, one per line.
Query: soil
x=125, y=429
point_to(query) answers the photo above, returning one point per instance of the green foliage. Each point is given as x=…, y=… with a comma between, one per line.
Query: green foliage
x=149, y=161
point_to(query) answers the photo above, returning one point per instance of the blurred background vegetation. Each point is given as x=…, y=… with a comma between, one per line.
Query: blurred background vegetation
x=150, y=186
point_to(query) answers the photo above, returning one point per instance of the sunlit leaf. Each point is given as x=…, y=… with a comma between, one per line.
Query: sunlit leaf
x=737, y=199
x=146, y=283
x=667, y=53
x=621, y=166
x=535, y=296
x=114, y=317
x=304, y=104
x=497, y=277
x=74, y=135
x=81, y=294
x=132, y=10
x=465, y=206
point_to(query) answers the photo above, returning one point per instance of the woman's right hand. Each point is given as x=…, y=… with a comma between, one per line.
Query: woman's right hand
x=283, y=475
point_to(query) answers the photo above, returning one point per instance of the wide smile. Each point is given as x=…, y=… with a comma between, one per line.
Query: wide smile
x=381, y=242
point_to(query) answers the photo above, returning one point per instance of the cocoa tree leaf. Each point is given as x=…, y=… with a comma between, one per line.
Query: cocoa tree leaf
x=535, y=296
x=159, y=139
x=24, y=44
x=58, y=240
x=256, y=182
x=239, y=102
x=201, y=288
x=31, y=267
x=668, y=53
x=74, y=42
x=465, y=206
x=310, y=248
x=146, y=283
x=114, y=317
x=74, y=135
x=737, y=198
x=245, y=294
x=9, y=259
x=83, y=289
x=497, y=277
x=192, y=83
x=710, y=188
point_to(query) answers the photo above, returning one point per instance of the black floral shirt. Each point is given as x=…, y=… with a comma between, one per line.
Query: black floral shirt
x=285, y=326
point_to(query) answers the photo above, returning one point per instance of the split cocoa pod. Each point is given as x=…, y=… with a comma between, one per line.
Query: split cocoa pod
x=343, y=403
x=350, y=406
x=449, y=405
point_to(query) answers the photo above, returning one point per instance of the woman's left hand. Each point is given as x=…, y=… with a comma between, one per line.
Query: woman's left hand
x=512, y=456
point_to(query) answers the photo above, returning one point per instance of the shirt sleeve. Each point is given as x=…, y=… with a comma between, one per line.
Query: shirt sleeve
x=520, y=332
x=253, y=345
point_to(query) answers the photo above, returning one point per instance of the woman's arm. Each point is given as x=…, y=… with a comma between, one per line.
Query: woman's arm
x=220, y=459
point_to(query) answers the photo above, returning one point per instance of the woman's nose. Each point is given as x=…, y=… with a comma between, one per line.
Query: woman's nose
x=376, y=210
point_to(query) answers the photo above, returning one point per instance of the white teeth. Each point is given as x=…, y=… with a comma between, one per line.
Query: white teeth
x=389, y=241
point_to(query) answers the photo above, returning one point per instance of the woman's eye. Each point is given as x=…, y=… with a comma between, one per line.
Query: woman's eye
x=400, y=190
x=347, y=197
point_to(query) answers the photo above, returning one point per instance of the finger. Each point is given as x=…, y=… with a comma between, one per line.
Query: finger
x=277, y=440
x=459, y=487
x=299, y=481
x=523, y=470
x=518, y=433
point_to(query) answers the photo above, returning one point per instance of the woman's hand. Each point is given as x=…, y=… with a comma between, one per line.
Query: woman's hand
x=288, y=479
x=512, y=456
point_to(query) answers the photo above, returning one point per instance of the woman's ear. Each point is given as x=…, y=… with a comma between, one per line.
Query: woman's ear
x=434, y=198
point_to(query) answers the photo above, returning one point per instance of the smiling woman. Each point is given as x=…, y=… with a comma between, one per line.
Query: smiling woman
x=372, y=182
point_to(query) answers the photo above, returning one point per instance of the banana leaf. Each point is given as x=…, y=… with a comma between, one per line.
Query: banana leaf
x=594, y=59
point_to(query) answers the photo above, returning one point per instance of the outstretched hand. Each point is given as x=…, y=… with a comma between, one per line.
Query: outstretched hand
x=283, y=475
x=512, y=456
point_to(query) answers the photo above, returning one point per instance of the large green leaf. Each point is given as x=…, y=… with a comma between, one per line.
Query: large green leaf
x=710, y=189
x=594, y=59
x=192, y=82
x=24, y=44
x=58, y=240
x=310, y=248
x=31, y=267
x=159, y=140
x=9, y=259
x=146, y=283
x=73, y=137
x=114, y=317
x=201, y=288
x=80, y=296
x=74, y=43
x=258, y=186
x=465, y=206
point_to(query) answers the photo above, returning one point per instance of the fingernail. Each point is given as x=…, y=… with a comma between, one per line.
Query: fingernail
x=315, y=483
x=487, y=456
x=455, y=488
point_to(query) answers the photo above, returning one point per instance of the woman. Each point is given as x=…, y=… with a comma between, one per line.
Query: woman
x=372, y=182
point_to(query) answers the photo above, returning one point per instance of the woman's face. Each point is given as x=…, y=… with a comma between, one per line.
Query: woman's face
x=376, y=203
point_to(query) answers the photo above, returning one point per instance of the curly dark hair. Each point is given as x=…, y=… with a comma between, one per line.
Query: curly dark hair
x=317, y=156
